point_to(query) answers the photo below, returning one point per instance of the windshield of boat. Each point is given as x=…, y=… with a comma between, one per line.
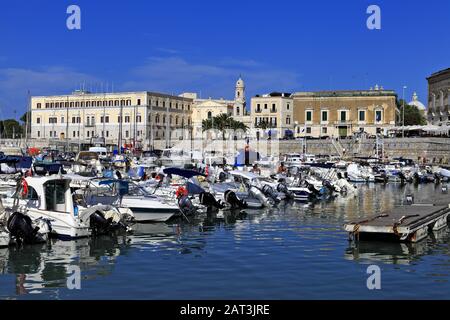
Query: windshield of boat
x=87, y=156
x=137, y=190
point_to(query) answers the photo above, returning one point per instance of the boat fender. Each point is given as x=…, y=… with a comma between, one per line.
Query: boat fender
x=24, y=187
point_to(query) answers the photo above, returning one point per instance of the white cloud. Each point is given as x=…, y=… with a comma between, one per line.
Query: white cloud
x=15, y=83
x=172, y=75
x=175, y=75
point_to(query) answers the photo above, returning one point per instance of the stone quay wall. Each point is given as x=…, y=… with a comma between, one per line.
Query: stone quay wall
x=429, y=150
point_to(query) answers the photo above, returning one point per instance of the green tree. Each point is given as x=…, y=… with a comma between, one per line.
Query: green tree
x=413, y=116
x=23, y=118
x=223, y=122
x=11, y=129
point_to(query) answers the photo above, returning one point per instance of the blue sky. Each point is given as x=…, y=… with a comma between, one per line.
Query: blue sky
x=203, y=46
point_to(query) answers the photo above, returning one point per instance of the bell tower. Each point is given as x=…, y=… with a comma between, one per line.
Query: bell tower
x=239, y=98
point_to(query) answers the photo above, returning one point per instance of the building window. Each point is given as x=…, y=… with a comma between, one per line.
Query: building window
x=309, y=115
x=324, y=116
x=107, y=119
x=107, y=134
x=39, y=134
x=62, y=119
x=287, y=106
x=362, y=115
x=265, y=106
x=378, y=116
x=38, y=106
x=73, y=134
x=138, y=118
x=73, y=120
x=87, y=134
x=38, y=120
x=127, y=119
x=126, y=134
x=209, y=115
x=274, y=108
x=288, y=120
x=324, y=130
x=138, y=102
x=308, y=130
x=343, y=116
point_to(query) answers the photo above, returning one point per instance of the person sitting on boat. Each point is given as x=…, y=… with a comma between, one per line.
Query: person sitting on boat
x=256, y=169
x=282, y=169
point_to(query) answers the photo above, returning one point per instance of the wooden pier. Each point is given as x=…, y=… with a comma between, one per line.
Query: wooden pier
x=406, y=223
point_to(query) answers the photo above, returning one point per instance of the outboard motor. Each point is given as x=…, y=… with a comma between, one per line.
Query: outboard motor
x=402, y=177
x=186, y=206
x=208, y=200
x=105, y=223
x=21, y=229
x=437, y=177
x=327, y=184
x=99, y=224
x=269, y=192
x=282, y=187
x=258, y=194
x=231, y=198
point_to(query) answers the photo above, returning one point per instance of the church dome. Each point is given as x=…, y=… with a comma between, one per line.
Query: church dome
x=415, y=102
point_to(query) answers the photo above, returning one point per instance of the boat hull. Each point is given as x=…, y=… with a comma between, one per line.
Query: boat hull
x=63, y=226
x=153, y=215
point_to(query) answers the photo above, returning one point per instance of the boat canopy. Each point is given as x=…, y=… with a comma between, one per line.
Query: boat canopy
x=182, y=172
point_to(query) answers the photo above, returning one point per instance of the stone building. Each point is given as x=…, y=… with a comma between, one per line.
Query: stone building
x=342, y=113
x=438, y=111
x=209, y=108
x=272, y=115
x=138, y=118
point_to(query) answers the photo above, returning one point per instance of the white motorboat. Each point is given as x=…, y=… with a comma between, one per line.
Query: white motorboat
x=51, y=198
x=175, y=158
x=357, y=173
x=146, y=207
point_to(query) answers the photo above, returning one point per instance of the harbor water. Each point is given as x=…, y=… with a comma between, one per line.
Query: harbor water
x=292, y=251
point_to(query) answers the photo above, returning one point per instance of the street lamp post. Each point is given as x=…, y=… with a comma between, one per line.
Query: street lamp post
x=403, y=112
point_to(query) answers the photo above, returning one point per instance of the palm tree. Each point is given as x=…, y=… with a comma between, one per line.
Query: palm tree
x=222, y=122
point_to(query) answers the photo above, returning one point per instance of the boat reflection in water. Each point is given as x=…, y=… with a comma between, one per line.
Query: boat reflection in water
x=396, y=252
x=44, y=267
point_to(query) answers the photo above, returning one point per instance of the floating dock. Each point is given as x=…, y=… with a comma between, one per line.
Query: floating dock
x=406, y=223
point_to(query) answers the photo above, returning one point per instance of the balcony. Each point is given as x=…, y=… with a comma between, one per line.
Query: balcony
x=344, y=122
x=89, y=125
x=258, y=110
x=273, y=110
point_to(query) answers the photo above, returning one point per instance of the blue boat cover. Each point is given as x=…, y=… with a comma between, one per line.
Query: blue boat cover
x=182, y=172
